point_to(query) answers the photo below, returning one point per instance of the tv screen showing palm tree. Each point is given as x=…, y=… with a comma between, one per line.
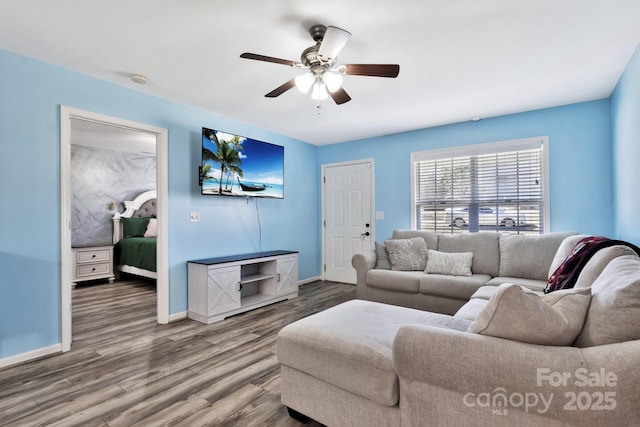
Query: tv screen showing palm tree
x=234, y=165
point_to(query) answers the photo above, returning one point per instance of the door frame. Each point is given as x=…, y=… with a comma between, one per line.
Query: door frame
x=323, y=224
x=162, y=188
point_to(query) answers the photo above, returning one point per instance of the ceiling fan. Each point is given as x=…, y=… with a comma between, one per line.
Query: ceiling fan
x=324, y=78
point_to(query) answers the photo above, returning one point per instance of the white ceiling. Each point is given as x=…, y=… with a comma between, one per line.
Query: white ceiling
x=458, y=58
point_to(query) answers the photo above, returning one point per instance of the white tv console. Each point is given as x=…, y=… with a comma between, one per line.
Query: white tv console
x=224, y=286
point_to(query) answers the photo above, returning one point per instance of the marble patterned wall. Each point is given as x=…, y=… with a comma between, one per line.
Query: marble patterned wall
x=101, y=180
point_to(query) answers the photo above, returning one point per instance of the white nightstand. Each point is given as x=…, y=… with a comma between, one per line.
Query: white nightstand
x=92, y=262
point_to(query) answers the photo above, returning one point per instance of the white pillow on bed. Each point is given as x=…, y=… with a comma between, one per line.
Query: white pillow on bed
x=152, y=228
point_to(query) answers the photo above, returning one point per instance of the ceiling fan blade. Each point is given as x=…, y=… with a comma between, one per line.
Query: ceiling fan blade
x=332, y=43
x=281, y=89
x=340, y=96
x=264, y=58
x=374, y=70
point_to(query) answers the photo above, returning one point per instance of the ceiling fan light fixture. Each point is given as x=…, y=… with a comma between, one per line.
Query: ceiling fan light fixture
x=304, y=82
x=324, y=78
x=333, y=81
x=319, y=92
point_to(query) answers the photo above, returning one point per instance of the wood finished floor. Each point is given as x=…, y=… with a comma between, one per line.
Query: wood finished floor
x=125, y=370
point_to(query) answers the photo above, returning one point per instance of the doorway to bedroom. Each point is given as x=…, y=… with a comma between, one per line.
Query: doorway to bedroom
x=105, y=162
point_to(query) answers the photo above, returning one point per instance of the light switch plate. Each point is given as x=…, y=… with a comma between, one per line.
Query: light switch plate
x=379, y=214
x=194, y=216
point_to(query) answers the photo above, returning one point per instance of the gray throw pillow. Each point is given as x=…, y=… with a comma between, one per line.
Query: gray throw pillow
x=452, y=264
x=382, y=257
x=519, y=314
x=614, y=314
x=407, y=254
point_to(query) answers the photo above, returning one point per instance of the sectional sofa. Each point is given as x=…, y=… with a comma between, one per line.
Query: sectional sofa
x=496, y=258
x=506, y=356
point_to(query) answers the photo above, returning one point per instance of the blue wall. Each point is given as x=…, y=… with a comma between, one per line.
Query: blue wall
x=625, y=113
x=31, y=93
x=594, y=147
x=579, y=157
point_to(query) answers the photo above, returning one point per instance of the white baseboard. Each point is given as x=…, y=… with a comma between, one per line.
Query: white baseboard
x=29, y=355
x=178, y=316
x=309, y=280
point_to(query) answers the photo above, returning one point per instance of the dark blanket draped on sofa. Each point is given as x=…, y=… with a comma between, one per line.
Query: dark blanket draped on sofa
x=567, y=273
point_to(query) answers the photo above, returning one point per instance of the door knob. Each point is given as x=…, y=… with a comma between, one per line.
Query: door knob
x=365, y=234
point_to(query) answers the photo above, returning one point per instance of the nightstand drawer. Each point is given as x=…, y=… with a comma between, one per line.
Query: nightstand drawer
x=84, y=256
x=93, y=269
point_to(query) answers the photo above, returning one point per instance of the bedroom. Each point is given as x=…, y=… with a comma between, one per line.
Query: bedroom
x=110, y=167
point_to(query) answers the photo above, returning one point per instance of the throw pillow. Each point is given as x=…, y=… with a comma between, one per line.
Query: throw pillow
x=452, y=264
x=519, y=314
x=407, y=254
x=614, y=314
x=152, y=228
x=134, y=227
x=382, y=257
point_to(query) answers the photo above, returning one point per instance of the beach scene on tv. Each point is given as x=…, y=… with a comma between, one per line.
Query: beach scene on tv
x=233, y=165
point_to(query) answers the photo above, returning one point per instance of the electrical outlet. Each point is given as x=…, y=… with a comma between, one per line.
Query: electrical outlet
x=194, y=216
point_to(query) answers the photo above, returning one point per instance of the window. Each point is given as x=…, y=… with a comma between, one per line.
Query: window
x=488, y=187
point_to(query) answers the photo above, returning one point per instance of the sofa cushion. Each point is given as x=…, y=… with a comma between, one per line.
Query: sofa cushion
x=456, y=287
x=614, y=314
x=407, y=254
x=350, y=346
x=472, y=308
x=430, y=237
x=529, y=256
x=533, y=284
x=594, y=267
x=399, y=281
x=453, y=264
x=485, y=248
x=517, y=313
x=485, y=292
x=382, y=257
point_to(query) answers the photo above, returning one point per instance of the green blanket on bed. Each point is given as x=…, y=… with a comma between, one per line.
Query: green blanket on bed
x=137, y=252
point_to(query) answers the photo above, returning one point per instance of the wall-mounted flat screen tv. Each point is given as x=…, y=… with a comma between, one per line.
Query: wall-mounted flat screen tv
x=233, y=165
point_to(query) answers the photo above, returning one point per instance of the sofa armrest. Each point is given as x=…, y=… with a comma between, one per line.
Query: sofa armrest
x=363, y=262
x=481, y=379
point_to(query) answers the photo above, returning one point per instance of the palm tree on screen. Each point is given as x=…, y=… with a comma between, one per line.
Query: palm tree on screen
x=227, y=153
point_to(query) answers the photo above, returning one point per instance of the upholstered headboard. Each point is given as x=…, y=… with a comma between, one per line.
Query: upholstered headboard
x=144, y=205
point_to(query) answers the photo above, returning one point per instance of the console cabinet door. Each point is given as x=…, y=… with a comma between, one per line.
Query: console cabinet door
x=287, y=277
x=223, y=286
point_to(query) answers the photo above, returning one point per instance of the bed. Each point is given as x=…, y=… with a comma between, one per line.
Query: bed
x=135, y=236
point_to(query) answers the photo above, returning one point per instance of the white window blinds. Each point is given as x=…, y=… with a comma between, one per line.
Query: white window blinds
x=495, y=187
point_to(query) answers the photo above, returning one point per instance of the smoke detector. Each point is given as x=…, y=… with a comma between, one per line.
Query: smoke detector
x=138, y=78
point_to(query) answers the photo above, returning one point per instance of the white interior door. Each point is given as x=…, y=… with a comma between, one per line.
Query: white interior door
x=348, y=226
